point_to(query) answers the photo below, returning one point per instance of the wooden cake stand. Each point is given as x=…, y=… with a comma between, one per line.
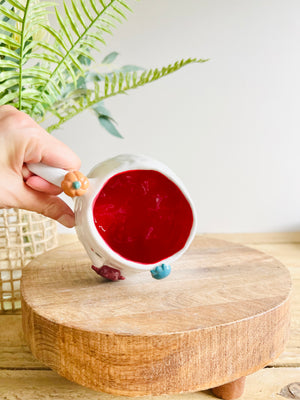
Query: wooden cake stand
x=221, y=314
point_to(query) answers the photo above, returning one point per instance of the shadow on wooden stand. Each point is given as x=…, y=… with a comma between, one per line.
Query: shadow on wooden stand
x=230, y=391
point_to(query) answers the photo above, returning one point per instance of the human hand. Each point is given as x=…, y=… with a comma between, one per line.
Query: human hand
x=23, y=141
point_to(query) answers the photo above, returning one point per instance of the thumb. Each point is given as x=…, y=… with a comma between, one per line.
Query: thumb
x=48, y=205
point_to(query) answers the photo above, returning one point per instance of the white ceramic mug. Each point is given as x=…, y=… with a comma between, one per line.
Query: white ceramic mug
x=136, y=215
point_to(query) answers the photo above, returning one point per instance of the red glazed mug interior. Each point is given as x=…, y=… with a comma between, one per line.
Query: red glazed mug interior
x=143, y=216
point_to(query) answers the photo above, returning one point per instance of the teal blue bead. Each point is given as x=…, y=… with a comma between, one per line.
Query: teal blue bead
x=161, y=271
x=76, y=185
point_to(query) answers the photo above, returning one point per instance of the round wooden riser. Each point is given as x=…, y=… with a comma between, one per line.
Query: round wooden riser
x=221, y=314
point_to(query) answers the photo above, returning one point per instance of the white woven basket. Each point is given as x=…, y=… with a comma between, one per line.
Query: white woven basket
x=23, y=236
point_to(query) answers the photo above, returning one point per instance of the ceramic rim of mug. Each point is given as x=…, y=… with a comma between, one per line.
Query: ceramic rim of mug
x=107, y=254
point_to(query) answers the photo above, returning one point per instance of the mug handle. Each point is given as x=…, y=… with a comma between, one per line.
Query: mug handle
x=73, y=183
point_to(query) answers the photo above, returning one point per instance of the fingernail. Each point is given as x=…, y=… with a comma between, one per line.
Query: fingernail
x=67, y=220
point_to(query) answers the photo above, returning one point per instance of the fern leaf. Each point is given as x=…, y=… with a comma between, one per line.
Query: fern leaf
x=78, y=14
x=127, y=80
x=4, y=26
x=97, y=89
x=5, y=76
x=102, y=27
x=37, y=71
x=59, y=39
x=7, y=64
x=10, y=14
x=107, y=22
x=118, y=83
x=125, y=5
x=54, y=90
x=134, y=80
x=106, y=85
x=28, y=82
x=96, y=37
x=76, y=63
x=121, y=80
x=83, y=23
x=71, y=20
x=114, y=81
x=69, y=68
x=9, y=97
x=86, y=10
x=18, y=32
x=8, y=41
x=10, y=53
x=44, y=56
x=17, y=4
x=117, y=15
x=93, y=5
x=120, y=12
x=90, y=45
x=51, y=49
x=64, y=26
x=85, y=53
x=102, y=3
x=31, y=94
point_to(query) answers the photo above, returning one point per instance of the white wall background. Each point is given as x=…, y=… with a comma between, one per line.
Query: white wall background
x=230, y=127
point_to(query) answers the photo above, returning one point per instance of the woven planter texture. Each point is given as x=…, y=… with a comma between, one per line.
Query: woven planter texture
x=23, y=236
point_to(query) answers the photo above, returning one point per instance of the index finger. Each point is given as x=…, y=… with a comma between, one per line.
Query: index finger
x=42, y=147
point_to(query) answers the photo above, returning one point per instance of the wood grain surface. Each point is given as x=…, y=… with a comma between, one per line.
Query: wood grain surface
x=266, y=384
x=223, y=313
x=24, y=377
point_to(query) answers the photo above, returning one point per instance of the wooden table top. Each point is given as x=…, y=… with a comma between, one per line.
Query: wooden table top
x=22, y=377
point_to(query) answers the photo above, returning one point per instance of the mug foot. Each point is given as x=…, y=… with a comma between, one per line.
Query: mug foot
x=109, y=273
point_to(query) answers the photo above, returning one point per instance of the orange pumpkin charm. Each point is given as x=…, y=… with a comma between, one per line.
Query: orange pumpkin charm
x=75, y=184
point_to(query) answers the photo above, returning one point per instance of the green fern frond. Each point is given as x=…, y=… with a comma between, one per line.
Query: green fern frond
x=112, y=85
x=60, y=82
x=10, y=12
x=18, y=46
x=6, y=27
x=8, y=41
x=82, y=26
